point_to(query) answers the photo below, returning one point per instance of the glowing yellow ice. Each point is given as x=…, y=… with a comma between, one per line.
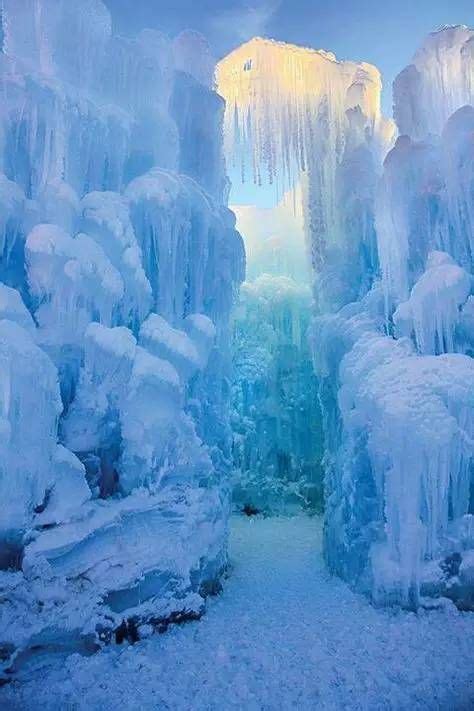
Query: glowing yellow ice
x=284, y=101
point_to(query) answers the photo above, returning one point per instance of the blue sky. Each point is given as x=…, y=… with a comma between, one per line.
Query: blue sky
x=385, y=32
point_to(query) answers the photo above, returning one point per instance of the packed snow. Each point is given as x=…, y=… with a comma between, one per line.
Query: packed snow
x=283, y=634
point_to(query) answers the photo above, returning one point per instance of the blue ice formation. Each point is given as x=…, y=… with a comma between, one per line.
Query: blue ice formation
x=119, y=266
x=396, y=366
x=389, y=223
x=275, y=415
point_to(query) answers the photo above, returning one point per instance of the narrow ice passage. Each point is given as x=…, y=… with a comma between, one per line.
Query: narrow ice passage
x=174, y=343
x=284, y=634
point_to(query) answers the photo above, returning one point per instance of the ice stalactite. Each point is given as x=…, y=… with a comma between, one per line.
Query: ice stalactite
x=433, y=310
x=162, y=207
x=277, y=93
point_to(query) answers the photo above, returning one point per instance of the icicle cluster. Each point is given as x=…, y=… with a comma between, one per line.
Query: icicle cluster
x=292, y=110
x=277, y=96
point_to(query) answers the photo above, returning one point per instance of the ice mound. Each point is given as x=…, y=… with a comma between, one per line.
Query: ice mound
x=416, y=416
x=72, y=280
x=433, y=310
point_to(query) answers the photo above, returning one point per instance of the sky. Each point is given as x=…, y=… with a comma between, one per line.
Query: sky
x=384, y=32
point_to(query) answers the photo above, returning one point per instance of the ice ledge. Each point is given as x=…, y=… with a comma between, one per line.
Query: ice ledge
x=123, y=565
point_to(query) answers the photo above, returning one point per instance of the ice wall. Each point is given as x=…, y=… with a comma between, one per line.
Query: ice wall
x=119, y=263
x=396, y=366
x=275, y=417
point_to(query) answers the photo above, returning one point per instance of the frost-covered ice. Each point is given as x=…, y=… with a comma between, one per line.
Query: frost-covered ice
x=119, y=267
x=390, y=239
x=396, y=366
x=283, y=634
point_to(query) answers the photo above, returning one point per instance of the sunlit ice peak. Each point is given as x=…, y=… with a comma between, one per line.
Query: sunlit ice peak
x=282, y=100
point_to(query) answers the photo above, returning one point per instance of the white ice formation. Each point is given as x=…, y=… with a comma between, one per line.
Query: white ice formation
x=119, y=266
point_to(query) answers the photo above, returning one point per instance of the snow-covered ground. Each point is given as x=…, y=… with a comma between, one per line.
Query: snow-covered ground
x=284, y=634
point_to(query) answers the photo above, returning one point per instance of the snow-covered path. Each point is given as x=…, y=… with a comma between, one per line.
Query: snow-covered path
x=284, y=634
